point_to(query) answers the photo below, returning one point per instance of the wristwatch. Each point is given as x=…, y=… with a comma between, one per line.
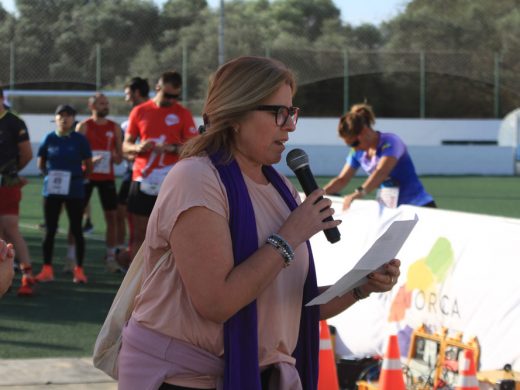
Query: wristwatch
x=361, y=191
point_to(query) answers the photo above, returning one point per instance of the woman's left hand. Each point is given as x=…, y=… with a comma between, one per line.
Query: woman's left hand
x=6, y=266
x=384, y=279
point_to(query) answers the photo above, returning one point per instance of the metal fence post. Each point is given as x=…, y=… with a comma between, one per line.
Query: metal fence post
x=346, y=102
x=11, y=67
x=422, y=87
x=184, y=73
x=98, y=67
x=221, y=42
x=496, y=107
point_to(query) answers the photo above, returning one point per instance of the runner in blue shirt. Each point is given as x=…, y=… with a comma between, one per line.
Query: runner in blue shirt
x=384, y=157
x=61, y=157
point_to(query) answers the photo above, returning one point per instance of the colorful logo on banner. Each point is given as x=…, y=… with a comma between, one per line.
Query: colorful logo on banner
x=421, y=290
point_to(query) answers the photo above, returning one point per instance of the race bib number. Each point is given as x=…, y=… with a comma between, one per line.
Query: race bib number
x=58, y=182
x=388, y=196
x=151, y=184
x=103, y=164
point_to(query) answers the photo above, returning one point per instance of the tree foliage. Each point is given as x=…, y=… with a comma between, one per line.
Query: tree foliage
x=63, y=41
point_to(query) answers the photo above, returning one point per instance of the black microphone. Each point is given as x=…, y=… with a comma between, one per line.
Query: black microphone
x=298, y=161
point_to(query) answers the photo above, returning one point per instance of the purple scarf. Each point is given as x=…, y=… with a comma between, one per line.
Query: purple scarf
x=240, y=331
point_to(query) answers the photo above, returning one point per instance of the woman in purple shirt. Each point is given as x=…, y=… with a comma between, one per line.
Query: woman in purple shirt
x=383, y=156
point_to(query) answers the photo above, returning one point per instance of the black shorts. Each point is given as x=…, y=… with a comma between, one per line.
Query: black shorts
x=122, y=195
x=107, y=193
x=431, y=204
x=138, y=202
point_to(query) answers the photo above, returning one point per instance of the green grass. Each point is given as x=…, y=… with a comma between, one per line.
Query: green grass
x=492, y=195
x=63, y=319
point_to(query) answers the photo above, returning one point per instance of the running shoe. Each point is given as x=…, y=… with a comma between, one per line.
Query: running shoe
x=16, y=265
x=79, y=275
x=123, y=258
x=26, y=289
x=46, y=274
x=111, y=264
x=88, y=227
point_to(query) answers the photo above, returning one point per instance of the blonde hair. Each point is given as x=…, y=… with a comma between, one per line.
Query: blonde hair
x=352, y=123
x=236, y=88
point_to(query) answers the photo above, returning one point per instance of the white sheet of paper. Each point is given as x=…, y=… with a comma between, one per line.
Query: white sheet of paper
x=58, y=182
x=102, y=165
x=384, y=249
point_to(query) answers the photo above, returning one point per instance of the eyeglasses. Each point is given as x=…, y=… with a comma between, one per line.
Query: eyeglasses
x=282, y=113
x=354, y=144
x=170, y=95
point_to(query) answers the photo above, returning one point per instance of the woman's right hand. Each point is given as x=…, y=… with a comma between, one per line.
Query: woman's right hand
x=145, y=146
x=308, y=219
x=97, y=159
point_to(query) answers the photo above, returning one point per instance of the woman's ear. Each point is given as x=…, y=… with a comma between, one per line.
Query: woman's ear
x=235, y=125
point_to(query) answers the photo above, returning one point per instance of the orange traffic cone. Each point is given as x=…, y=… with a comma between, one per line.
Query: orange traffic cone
x=391, y=377
x=467, y=373
x=328, y=376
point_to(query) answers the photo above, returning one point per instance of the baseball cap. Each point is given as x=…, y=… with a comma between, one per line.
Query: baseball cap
x=65, y=108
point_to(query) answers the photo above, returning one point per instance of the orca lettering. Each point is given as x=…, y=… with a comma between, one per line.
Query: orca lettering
x=434, y=303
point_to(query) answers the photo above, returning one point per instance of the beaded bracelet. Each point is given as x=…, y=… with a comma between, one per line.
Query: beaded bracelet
x=282, y=247
x=357, y=294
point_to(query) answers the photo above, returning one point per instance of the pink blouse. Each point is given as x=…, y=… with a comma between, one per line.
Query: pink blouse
x=164, y=304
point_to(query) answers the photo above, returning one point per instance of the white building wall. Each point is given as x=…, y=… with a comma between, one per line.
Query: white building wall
x=327, y=152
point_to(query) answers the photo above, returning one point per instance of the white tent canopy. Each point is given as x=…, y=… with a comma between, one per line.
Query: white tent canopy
x=509, y=132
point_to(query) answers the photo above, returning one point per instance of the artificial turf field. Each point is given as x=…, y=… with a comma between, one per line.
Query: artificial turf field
x=63, y=319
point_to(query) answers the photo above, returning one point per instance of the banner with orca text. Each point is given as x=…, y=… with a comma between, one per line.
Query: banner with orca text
x=459, y=271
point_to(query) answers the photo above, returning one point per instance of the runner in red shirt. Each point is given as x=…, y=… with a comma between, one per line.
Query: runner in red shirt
x=105, y=138
x=16, y=153
x=162, y=126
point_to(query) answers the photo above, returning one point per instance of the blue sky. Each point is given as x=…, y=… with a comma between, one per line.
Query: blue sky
x=357, y=12
x=354, y=12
